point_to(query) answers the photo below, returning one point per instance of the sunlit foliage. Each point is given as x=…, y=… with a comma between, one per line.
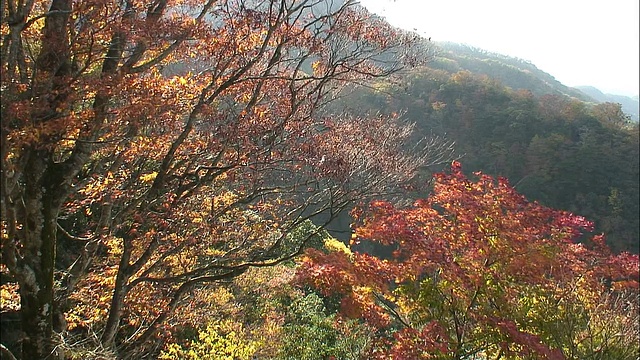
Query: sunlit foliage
x=478, y=270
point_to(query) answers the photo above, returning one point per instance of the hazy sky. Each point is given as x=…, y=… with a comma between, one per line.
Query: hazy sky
x=579, y=42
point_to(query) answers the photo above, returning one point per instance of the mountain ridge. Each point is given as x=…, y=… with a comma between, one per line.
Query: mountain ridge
x=518, y=73
x=513, y=72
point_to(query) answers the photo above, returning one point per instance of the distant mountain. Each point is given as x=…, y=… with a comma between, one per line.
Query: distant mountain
x=521, y=74
x=512, y=72
x=630, y=105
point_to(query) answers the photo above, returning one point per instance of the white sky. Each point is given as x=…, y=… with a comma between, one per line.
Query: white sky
x=579, y=42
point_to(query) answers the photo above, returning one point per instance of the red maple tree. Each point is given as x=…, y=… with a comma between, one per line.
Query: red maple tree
x=477, y=269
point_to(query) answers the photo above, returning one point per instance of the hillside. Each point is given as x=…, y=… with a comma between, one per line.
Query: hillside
x=555, y=147
x=521, y=74
x=512, y=72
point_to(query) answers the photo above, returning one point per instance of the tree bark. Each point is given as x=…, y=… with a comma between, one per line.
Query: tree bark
x=36, y=266
x=42, y=195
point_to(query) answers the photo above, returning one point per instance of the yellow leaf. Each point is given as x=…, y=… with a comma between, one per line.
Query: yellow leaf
x=149, y=177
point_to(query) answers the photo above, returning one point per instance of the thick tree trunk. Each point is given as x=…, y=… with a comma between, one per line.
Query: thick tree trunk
x=38, y=260
x=43, y=194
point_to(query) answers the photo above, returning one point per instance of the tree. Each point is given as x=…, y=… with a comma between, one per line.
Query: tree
x=216, y=342
x=151, y=147
x=611, y=114
x=263, y=314
x=478, y=270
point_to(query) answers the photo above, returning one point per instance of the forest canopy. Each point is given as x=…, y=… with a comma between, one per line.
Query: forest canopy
x=560, y=151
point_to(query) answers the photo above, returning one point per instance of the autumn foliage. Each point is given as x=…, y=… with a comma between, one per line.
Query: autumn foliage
x=160, y=157
x=477, y=270
x=152, y=147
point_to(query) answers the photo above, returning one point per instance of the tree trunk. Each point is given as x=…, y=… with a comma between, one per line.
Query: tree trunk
x=43, y=194
x=38, y=260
